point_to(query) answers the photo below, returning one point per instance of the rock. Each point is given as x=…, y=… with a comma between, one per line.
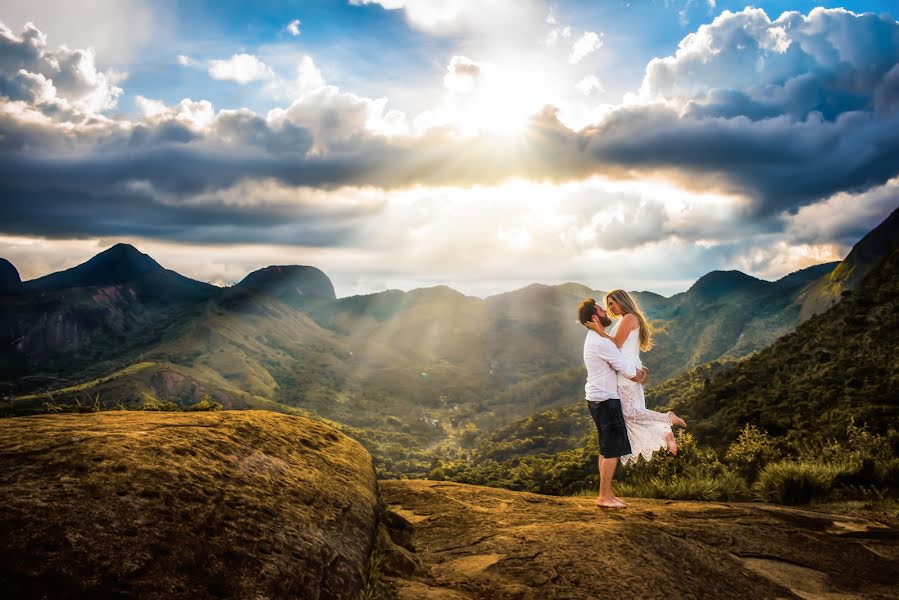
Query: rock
x=477, y=542
x=183, y=505
x=396, y=559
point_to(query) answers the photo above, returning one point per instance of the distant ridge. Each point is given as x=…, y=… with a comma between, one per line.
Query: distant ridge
x=119, y=264
x=808, y=275
x=864, y=255
x=717, y=284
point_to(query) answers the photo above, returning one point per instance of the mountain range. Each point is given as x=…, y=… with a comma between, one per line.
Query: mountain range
x=411, y=368
x=839, y=369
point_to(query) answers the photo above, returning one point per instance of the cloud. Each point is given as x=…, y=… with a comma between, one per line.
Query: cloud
x=589, y=85
x=293, y=28
x=831, y=62
x=844, y=217
x=240, y=68
x=587, y=43
x=118, y=30
x=761, y=149
x=184, y=60
x=462, y=75
x=63, y=82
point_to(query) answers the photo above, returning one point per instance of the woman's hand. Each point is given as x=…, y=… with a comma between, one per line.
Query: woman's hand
x=594, y=325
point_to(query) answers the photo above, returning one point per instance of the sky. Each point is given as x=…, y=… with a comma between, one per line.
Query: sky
x=480, y=144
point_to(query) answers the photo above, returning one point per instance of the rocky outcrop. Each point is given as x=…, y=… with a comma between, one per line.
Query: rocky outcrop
x=10, y=282
x=475, y=542
x=182, y=505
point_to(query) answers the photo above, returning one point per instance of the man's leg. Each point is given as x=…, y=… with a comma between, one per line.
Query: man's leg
x=606, y=475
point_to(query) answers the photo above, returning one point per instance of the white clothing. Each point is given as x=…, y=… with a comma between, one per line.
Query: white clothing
x=646, y=429
x=603, y=361
x=630, y=349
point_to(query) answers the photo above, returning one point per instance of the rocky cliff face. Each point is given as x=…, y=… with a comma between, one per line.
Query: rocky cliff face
x=182, y=505
x=254, y=504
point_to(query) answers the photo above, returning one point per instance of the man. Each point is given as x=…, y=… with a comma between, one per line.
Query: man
x=603, y=361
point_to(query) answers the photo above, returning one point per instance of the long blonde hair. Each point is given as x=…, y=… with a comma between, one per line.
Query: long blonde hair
x=629, y=307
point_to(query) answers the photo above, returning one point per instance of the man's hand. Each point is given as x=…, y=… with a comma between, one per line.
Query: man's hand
x=641, y=375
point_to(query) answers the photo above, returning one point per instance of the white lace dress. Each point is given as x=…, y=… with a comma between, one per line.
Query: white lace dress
x=646, y=429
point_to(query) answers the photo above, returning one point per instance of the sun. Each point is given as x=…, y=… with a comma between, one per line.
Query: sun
x=504, y=100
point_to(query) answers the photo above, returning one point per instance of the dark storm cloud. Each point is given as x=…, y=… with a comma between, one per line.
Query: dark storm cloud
x=786, y=112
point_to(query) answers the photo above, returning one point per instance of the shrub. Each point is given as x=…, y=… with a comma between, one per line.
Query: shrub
x=788, y=482
x=206, y=403
x=691, y=460
x=750, y=452
x=729, y=486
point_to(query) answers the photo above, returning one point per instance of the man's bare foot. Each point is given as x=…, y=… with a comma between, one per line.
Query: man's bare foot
x=617, y=499
x=672, y=445
x=609, y=503
x=676, y=420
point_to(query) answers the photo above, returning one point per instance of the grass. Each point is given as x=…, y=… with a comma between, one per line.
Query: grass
x=373, y=586
x=729, y=487
x=129, y=370
x=800, y=482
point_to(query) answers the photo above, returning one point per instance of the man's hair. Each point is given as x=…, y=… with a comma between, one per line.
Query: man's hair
x=586, y=310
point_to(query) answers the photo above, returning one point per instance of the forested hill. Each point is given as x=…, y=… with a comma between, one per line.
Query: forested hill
x=839, y=365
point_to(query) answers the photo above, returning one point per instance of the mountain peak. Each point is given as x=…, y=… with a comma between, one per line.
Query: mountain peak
x=716, y=284
x=10, y=282
x=290, y=282
x=119, y=264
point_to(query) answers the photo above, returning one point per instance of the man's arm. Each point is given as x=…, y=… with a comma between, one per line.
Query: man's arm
x=607, y=351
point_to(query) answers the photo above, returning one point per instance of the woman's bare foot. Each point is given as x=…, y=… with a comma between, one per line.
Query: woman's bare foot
x=672, y=445
x=610, y=503
x=676, y=420
x=617, y=499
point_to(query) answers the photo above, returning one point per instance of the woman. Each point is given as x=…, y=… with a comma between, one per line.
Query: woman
x=647, y=430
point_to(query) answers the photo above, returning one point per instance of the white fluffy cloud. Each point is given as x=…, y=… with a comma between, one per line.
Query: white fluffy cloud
x=62, y=81
x=830, y=61
x=293, y=28
x=241, y=68
x=586, y=44
x=589, y=85
x=462, y=75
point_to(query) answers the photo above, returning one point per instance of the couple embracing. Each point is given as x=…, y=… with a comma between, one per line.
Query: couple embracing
x=614, y=390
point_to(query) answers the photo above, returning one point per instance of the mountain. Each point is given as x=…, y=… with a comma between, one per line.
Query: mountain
x=120, y=264
x=93, y=318
x=725, y=314
x=806, y=385
x=804, y=277
x=290, y=283
x=716, y=285
x=404, y=371
x=10, y=282
x=827, y=291
x=837, y=366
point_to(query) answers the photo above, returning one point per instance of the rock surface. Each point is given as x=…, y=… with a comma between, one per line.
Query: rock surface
x=476, y=542
x=182, y=505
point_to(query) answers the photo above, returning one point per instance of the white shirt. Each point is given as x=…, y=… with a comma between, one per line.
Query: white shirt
x=604, y=361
